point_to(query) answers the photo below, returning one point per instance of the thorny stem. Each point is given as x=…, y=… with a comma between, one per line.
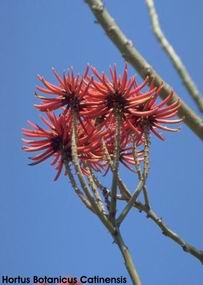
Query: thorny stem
x=104, y=190
x=105, y=220
x=175, y=59
x=97, y=182
x=131, y=55
x=77, y=165
x=120, y=182
x=107, y=155
x=75, y=187
x=147, y=143
x=143, y=178
x=84, y=186
x=113, y=231
x=117, y=237
x=139, y=173
x=146, y=152
x=122, y=187
x=96, y=194
x=115, y=166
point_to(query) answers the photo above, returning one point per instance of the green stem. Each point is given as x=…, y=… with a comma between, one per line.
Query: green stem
x=115, y=166
x=128, y=259
x=95, y=191
x=80, y=194
x=189, y=248
x=84, y=186
x=139, y=173
x=130, y=203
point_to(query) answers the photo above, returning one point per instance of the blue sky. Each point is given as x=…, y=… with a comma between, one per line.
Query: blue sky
x=44, y=228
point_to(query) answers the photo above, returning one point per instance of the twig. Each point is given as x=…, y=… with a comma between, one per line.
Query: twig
x=107, y=223
x=167, y=231
x=139, y=173
x=75, y=187
x=94, y=186
x=131, y=55
x=146, y=152
x=147, y=143
x=115, y=166
x=159, y=221
x=76, y=164
x=142, y=176
x=104, y=190
x=175, y=59
x=84, y=186
x=97, y=182
x=130, y=203
x=117, y=237
x=128, y=259
x=123, y=189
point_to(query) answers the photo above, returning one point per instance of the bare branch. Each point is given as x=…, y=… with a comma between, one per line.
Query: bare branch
x=175, y=59
x=131, y=55
x=169, y=233
x=166, y=230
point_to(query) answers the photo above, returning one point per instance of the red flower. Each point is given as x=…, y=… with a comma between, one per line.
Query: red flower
x=159, y=114
x=118, y=94
x=53, y=142
x=69, y=93
x=97, y=103
x=56, y=142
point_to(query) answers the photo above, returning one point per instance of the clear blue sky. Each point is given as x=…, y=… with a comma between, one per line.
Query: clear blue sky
x=44, y=228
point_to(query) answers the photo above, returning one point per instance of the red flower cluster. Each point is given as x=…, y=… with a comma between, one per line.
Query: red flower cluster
x=97, y=100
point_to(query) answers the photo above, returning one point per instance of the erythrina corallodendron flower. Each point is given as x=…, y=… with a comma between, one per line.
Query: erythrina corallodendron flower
x=69, y=93
x=53, y=142
x=56, y=142
x=159, y=114
x=116, y=95
x=96, y=100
